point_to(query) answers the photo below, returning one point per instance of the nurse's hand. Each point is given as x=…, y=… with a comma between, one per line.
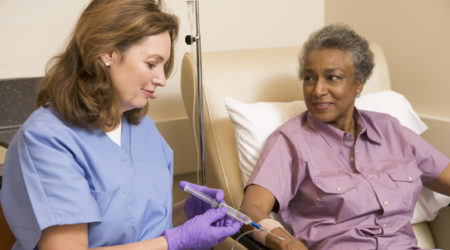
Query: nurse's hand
x=201, y=231
x=194, y=206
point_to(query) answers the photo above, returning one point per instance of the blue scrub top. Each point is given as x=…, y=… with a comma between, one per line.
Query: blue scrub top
x=56, y=174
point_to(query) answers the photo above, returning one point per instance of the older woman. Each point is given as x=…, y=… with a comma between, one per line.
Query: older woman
x=338, y=176
x=88, y=168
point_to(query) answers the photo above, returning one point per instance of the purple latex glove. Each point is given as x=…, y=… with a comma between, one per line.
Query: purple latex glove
x=200, y=231
x=194, y=206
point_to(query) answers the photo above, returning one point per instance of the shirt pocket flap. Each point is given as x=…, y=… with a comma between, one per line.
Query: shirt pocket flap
x=334, y=184
x=405, y=175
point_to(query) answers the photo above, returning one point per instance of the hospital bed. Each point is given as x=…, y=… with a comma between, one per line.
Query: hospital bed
x=264, y=75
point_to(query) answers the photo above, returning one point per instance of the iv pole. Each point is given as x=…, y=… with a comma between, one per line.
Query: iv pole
x=189, y=40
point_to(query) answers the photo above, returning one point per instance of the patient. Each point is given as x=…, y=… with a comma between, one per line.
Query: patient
x=341, y=177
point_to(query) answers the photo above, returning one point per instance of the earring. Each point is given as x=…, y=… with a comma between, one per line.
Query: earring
x=107, y=64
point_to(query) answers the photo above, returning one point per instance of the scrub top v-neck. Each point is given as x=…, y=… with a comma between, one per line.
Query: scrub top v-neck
x=56, y=174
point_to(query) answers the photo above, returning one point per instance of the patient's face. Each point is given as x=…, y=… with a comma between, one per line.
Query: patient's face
x=329, y=87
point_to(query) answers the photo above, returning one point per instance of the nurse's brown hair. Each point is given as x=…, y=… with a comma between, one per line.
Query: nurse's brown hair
x=78, y=84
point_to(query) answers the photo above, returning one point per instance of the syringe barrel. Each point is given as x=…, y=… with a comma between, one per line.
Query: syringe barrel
x=236, y=214
x=206, y=198
x=230, y=210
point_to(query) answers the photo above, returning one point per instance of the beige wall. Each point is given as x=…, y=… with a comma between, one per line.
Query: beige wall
x=33, y=31
x=415, y=37
x=237, y=24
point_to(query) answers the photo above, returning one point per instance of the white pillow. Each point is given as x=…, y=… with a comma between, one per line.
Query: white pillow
x=394, y=104
x=254, y=122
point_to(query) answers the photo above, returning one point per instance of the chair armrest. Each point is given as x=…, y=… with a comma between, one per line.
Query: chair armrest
x=7, y=238
x=245, y=242
x=440, y=228
x=249, y=242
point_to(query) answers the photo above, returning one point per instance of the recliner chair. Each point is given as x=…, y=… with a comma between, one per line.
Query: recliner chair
x=269, y=75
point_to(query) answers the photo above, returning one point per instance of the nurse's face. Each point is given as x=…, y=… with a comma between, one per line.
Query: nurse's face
x=329, y=87
x=139, y=71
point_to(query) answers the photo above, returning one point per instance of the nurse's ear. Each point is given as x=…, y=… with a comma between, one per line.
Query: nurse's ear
x=109, y=56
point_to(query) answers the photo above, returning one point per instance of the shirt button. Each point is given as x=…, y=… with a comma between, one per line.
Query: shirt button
x=410, y=178
x=385, y=203
x=356, y=151
x=369, y=176
x=339, y=189
x=384, y=225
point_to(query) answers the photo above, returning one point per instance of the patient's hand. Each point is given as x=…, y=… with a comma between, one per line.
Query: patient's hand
x=289, y=242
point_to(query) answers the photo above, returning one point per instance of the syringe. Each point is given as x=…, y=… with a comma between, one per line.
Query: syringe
x=245, y=219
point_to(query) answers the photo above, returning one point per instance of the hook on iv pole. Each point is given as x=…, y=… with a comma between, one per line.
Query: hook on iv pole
x=191, y=39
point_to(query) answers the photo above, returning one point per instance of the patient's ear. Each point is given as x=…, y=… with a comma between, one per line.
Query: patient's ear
x=359, y=87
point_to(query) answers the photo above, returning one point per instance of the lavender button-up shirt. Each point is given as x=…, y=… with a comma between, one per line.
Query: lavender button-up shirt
x=337, y=194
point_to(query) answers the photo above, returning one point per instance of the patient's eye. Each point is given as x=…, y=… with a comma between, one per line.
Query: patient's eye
x=308, y=79
x=333, y=78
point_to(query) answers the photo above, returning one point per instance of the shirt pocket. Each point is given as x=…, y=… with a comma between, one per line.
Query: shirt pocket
x=333, y=193
x=408, y=182
x=333, y=185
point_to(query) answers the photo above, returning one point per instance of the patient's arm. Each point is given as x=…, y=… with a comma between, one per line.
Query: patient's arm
x=442, y=183
x=258, y=203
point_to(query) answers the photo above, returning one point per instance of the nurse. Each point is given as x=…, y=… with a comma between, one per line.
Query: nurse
x=88, y=168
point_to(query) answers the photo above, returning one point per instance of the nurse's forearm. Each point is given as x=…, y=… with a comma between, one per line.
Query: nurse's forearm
x=75, y=237
x=178, y=214
x=159, y=243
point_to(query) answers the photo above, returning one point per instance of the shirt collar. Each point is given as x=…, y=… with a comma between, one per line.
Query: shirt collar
x=365, y=126
x=332, y=136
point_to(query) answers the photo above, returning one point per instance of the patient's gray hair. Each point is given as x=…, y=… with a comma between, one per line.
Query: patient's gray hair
x=342, y=37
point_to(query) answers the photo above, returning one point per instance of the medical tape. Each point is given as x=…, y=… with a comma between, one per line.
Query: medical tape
x=268, y=224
